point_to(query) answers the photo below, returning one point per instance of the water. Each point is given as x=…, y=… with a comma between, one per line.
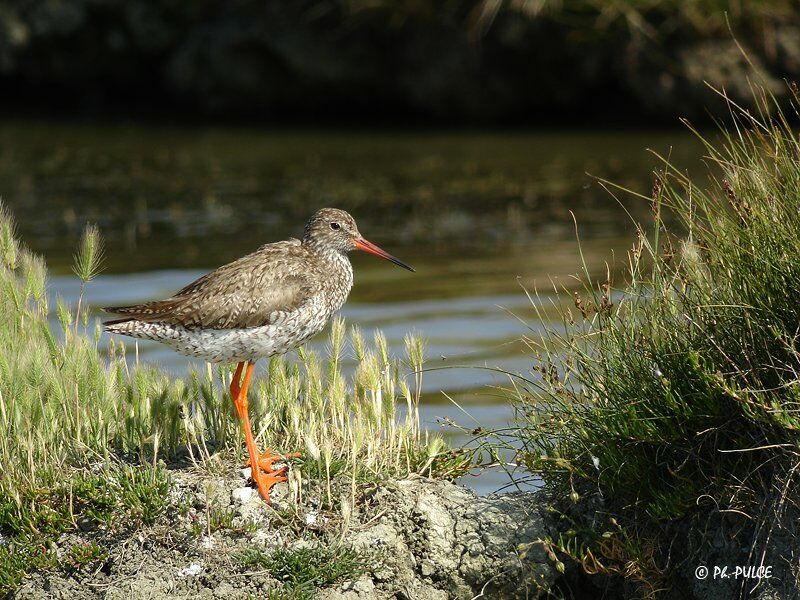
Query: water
x=480, y=215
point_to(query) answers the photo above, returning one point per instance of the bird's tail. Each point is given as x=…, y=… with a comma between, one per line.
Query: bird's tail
x=119, y=325
x=122, y=326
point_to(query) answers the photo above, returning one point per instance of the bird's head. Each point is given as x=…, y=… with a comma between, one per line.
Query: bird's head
x=332, y=229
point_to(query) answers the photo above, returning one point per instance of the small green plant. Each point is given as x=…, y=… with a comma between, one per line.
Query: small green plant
x=218, y=518
x=143, y=492
x=94, y=499
x=306, y=569
x=83, y=555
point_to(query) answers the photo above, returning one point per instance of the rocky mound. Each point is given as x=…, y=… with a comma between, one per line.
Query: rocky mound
x=417, y=539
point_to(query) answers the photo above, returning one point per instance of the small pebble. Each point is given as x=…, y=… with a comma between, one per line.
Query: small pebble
x=207, y=542
x=190, y=571
x=365, y=585
x=428, y=568
x=242, y=495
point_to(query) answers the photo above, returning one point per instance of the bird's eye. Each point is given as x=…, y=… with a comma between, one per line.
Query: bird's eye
x=335, y=226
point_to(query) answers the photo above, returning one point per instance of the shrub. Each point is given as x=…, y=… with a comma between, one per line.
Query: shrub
x=675, y=396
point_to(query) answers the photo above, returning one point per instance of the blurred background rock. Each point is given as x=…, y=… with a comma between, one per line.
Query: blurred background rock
x=446, y=62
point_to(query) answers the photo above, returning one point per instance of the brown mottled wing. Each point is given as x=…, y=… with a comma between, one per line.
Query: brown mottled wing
x=255, y=290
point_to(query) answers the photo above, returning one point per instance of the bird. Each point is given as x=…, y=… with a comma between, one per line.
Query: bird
x=266, y=303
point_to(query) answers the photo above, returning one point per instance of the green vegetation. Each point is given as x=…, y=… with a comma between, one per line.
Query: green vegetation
x=110, y=497
x=81, y=556
x=84, y=433
x=675, y=397
x=19, y=558
x=306, y=569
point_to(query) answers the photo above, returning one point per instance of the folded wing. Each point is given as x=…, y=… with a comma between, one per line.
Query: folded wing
x=256, y=290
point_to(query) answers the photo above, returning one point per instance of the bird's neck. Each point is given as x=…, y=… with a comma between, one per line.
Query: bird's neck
x=336, y=262
x=338, y=278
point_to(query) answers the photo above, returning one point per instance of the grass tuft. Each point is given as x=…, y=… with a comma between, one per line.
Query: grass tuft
x=674, y=397
x=304, y=570
x=89, y=256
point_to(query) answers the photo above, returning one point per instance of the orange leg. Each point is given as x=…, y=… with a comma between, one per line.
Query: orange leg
x=236, y=380
x=264, y=481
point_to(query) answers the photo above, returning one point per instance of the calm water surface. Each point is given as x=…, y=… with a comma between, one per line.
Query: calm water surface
x=480, y=215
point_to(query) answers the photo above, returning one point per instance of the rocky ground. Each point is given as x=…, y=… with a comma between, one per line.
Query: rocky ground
x=414, y=539
x=418, y=539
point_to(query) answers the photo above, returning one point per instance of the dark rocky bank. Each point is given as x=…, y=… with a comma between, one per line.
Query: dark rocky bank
x=465, y=62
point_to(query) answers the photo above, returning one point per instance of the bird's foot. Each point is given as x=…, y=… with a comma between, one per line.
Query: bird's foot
x=268, y=459
x=265, y=475
x=264, y=483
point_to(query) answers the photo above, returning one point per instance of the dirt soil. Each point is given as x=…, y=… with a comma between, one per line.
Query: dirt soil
x=422, y=539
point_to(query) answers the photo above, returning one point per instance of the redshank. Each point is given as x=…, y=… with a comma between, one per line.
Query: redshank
x=266, y=303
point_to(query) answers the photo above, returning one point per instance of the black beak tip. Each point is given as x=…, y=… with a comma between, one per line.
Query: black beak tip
x=406, y=266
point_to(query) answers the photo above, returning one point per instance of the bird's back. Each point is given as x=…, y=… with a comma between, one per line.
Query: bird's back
x=264, y=303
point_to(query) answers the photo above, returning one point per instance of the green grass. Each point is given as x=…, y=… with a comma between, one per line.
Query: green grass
x=85, y=433
x=118, y=493
x=20, y=557
x=675, y=395
x=113, y=497
x=304, y=570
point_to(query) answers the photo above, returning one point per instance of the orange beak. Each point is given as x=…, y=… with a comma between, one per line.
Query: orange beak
x=369, y=247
